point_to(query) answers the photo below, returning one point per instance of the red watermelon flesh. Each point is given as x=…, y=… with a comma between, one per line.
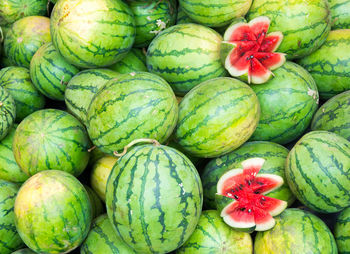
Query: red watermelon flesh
x=248, y=207
x=253, y=49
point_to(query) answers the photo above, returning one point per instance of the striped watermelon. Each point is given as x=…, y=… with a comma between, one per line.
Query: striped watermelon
x=100, y=173
x=342, y=231
x=50, y=72
x=92, y=33
x=24, y=251
x=274, y=154
x=13, y=10
x=182, y=17
x=334, y=116
x=317, y=170
x=83, y=87
x=9, y=238
x=330, y=65
x=17, y=82
x=186, y=55
x=217, y=117
x=296, y=231
x=288, y=102
x=52, y=212
x=151, y=18
x=134, y=61
x=25, y=37
x=215, y=14
x=304, y=24
x=9, y=170
x=97, y=206
x=51, y=139
x=102, y=239
x=133, y=106
x=7, y=112
x=212, y=235
x=154, y=198
x=340, y=12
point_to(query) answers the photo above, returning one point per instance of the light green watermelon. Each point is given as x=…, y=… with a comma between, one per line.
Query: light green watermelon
x=340, y=13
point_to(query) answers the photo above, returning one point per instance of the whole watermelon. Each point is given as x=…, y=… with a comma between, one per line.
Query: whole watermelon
x=7, y=112
x=317, y=170
x=50, y=72
x=83, y=87
x=215, y=14
x=330, y=65
x=186, y=55
x=9, y=169
x=9, y=238
x=340, y=13
x=154, y=198
x=133, y=106
x=213, y=235
x=92, y=33
x=288, y=103
x=296, y=231
x=305, y=24
x=52, y=212
x=216, y=117
x=25, y=37
x=17, y=82
x=51, y=139
x=342, y=231
x=275, y=157
x=334, y=116
x=134, y=61
x=102, y=239
x=152, y=17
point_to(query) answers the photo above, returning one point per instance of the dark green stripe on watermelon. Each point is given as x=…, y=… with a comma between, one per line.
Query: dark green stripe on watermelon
x=7, y=112
x=134, y=61
x=340, y=12
x=342, y=231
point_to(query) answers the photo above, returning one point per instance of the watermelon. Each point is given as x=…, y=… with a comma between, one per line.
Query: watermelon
x=296, y=231
x=212, y=235
x=186, y=55
x=133, y=106
x=241, y=199
x=317, y=171
x=102, y=239
x=251, y=50
x=151, y=18
x=334, y=116
x=275, y=156
x=9, y=170
x=340, y=12
x=17, y=82
x=154, y=198
x=342, y=231
x=51, y=139
x=52, y=212
x=288, y=103
x=95, y=155
x=9, y=238
x=25, y=37
x=216, y=117
x=24, y=251
x=304, y=24
x=134, y=61
x=13, y=10
x=92, y=33
x=7, y=112
x=100, y=173
x=215, y=14
x=97, y=207
x=83, y=87
x=182, y=17
x=195, y=160
x=330, y=65
x=50, y=72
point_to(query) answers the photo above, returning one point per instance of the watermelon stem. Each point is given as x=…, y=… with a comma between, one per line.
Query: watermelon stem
x=136, y=141
x=91, y=149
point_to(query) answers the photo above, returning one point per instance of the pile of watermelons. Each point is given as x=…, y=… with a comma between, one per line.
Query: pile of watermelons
x=175, y=126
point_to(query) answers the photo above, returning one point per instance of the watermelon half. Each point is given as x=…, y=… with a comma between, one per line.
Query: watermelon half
x=248, y=50
x=240, y=197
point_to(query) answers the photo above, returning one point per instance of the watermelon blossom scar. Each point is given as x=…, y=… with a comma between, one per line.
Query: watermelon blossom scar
x=241, y=201
x=248, y=50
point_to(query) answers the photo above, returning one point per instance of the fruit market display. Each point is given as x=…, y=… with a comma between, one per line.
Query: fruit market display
x=175, y=126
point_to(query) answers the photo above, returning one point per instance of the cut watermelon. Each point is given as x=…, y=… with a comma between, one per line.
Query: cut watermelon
x=240, y=197
x=248, y=51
